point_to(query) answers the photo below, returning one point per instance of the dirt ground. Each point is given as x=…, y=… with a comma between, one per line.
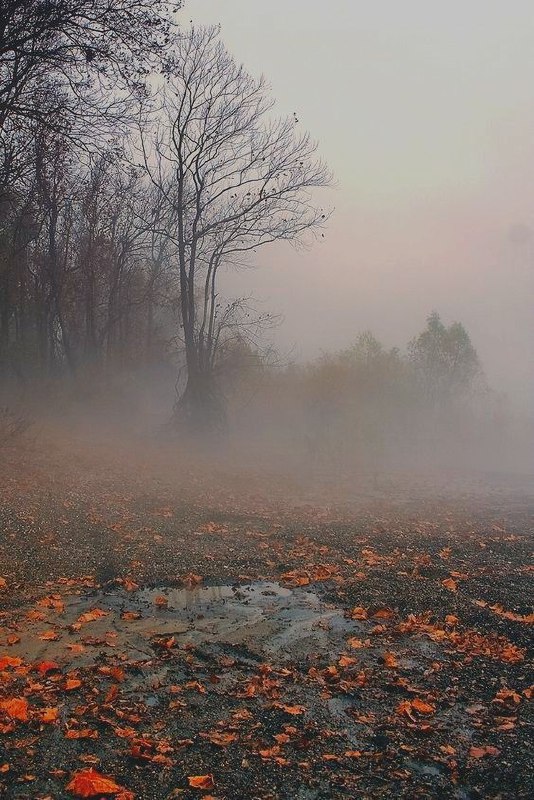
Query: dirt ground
x=217, y=631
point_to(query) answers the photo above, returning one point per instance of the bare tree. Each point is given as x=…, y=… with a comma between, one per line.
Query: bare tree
x=236, y=179
x=81, y=46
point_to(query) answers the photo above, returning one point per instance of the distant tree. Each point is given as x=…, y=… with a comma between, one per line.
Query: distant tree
x=446, y=363
x=236, y=179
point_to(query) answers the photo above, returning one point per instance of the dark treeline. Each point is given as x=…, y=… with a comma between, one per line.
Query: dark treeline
x=138, y=161
x=85, y=281
x=79, y=269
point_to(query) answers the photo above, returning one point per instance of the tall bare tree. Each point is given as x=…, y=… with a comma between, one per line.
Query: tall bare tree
x=81, y=46
x=236, y=179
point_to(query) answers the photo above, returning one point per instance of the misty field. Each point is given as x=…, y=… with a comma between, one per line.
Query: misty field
x=267, y=638
x=266, y=534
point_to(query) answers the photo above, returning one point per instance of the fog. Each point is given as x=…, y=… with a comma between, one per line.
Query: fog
x=386, y=325
x=424, y=112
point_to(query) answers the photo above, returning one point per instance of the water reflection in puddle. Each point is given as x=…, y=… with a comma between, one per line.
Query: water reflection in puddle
x=264, y=617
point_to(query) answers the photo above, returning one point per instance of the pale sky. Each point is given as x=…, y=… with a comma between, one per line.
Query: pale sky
x=424, y=110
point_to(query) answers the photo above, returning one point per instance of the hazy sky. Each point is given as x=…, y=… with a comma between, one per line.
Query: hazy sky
x=424, y=109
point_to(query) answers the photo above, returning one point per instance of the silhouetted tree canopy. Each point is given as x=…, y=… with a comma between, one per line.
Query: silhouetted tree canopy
x=85, y=48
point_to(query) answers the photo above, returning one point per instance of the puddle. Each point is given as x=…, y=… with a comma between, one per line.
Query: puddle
x=264, y=619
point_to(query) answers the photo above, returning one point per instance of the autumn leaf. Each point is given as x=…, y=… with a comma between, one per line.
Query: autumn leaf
x=160, y=601
x=90, y=783
x=485, y=750
x=383, y=613
x=53, y=601
x=201, y=781
x=8, y=661
x=296, y=578
x=49, y=715
x=81, y=733
x=90, y=616
x=130, y=585
x=191, y=579
x=293, y=710
x=511, y=615
x=49, y=636
x=47, y=666
x=220, y=738
x=3, y=583
x=346, y=661
x=130, y=615
x=71, y=684
x=390, y=660
x=407, y=707
x=16, y=708
x=450, y=584
x=507, y=697
x=358, y=613
x=282, y=738
x=422, y=707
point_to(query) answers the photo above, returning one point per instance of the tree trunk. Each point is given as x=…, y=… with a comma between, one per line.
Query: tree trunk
x=201, y=409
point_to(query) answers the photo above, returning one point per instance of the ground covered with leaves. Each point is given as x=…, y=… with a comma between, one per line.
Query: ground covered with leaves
x=182, y=633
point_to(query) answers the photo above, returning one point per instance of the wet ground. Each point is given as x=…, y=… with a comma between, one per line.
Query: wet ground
x=270, y=647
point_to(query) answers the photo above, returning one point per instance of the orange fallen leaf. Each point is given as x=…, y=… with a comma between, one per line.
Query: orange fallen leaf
x=49, y=636
x=293, y=710
x=347, y=661
x=407, y=707
x=53, y=601
x=16, y=708
x=450, y=584
x=485, y=750
x=220, y=738
x=282, y=738
x=47, y=666
x=383, y=613
x=90, y=616
x=390, y=660
x=8, y=661
x=49, y=714
x=90, y=783
x=358, y=613
x=511, y=615
x=201, y=781
x=81, y=733
x=191, y=579
x=72, y=683
x=296, y=578
x=355, y=643
x=160, y=601
x=422, y=707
